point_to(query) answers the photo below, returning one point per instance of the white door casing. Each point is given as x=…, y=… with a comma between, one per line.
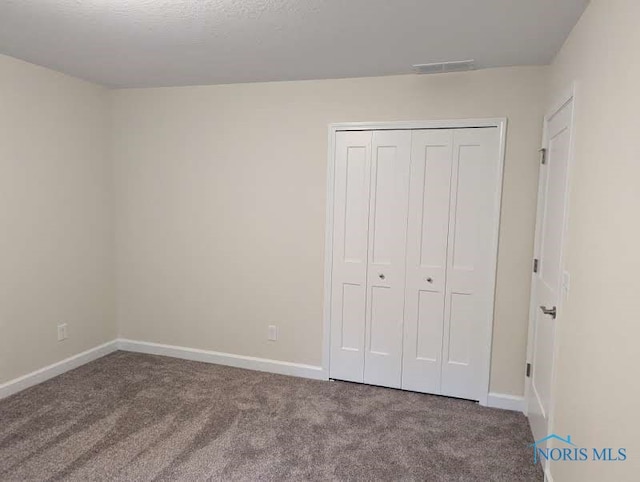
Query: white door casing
x=547, y=282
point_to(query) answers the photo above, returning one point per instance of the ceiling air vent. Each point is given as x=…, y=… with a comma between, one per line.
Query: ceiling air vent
x=442, y=67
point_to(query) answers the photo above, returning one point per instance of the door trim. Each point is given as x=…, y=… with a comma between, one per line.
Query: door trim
x=501, y=124
x=569, y=95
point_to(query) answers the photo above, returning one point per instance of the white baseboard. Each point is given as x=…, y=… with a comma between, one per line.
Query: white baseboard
x=495, y=400
x=228, y=359
x=505, y=402
x=43, y=374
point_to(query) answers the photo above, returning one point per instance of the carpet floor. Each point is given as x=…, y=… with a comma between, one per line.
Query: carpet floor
x=139, y=417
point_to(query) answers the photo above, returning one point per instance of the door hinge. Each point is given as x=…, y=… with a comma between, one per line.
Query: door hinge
x=528, y=370
x=543, y=155
x=536, y=265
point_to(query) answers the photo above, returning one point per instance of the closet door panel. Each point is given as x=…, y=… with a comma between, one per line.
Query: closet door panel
x=426, y=342
x=390, y=159
x=431, y=161
x=349, y=270
x=382, y=337
x=469, y=288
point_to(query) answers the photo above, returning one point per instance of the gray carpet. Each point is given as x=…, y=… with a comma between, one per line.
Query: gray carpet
x=139, y=417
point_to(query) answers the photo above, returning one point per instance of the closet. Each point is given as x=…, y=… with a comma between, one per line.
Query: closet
x=413, y=257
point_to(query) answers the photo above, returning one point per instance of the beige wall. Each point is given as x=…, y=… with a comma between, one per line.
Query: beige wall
x=597, y=386
x=56, y=239
x=221, y=195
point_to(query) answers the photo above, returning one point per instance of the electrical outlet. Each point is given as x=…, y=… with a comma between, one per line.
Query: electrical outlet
x=62, y=331
x=273, y=333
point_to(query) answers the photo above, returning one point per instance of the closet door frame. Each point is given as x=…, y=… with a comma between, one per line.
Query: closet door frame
x=501, y=124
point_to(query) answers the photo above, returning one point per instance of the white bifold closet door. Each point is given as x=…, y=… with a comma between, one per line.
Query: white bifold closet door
x=415, y=219
x=371, y=196
x=453, y=221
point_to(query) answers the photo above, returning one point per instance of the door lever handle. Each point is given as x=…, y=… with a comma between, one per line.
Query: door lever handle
x=549, y=311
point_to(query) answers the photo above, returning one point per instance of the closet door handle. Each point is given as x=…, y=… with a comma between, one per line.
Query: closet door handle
x=381, y=276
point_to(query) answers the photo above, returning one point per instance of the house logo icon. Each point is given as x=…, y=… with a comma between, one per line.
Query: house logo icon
x=549, y=437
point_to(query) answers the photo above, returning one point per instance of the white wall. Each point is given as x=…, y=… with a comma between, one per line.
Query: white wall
x=221, y=205
x=597, y=388
x=56, y=235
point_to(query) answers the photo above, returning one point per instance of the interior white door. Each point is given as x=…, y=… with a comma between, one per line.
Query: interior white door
x=547, y=282
x=350, y=244
x=431, y=161
x=471, y=262
x=389, y=193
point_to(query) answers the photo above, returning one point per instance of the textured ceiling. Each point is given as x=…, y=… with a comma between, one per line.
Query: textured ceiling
x=139, y=43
